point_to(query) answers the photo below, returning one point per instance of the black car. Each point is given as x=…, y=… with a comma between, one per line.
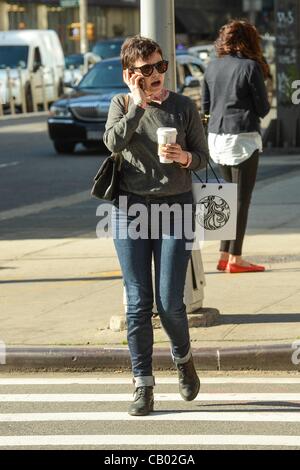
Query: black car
x=80, y=117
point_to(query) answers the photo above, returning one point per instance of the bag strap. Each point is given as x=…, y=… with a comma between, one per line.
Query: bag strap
x=118, y=156
x=205, y=120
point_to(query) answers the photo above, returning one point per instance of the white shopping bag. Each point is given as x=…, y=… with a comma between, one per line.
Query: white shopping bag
x=216, y=210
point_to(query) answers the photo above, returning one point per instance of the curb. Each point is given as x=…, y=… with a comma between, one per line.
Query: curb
x=11, y=117
x=283, y=357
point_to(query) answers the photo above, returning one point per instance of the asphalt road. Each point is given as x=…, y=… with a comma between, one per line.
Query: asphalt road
x=89, y=411
x=45, y=195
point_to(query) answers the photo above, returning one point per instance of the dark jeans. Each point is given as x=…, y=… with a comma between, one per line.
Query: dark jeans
x=171, y=257
x=244, y=175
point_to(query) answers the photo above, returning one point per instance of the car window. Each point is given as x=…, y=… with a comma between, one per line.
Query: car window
x=186, y=70
x=103, y=75
x=180, y=75
x=13, y=56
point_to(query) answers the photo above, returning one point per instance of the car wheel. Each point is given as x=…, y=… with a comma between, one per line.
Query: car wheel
x=64, y=147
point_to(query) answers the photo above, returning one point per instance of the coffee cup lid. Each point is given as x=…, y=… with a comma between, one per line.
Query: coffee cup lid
x=166, y=130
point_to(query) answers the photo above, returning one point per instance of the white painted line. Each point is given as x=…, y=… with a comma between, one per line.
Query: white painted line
x=121, y=397
x=154, y=440
x=197, y=416
x=158, y=380
x=5, y=165
x=45, y=206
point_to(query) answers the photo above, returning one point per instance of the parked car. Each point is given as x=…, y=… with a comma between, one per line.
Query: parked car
x=74, y=64
x=80, y=117
x=33, y=57
x=108, y=48
x=205, y=52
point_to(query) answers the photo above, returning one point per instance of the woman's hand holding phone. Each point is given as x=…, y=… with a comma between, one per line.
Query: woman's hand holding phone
x=136, y=84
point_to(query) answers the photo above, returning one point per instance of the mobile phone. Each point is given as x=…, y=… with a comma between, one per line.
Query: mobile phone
x=142, y=83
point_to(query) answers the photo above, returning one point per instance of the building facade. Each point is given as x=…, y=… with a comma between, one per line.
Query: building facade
x=109, y=18
x=196, y=20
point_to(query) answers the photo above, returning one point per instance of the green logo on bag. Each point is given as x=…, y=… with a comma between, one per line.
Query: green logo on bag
x=213, y=212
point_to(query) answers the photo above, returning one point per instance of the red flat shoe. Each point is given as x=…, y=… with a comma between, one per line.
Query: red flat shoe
x=222, y=265
x=238, y=268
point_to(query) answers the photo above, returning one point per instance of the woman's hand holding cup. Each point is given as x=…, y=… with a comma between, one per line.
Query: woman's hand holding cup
x=174, y=153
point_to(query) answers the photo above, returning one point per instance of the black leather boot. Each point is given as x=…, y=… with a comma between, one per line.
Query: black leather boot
x=143, y=402
x=189, y=383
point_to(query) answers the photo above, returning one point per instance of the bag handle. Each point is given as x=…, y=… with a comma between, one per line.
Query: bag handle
x=206, y=174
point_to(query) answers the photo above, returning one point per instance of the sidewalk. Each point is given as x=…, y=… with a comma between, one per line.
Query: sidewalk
x=64, y=292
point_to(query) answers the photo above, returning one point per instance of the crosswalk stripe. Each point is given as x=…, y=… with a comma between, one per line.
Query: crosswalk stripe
x=157, y=440
x=121, y=397
x=156, y=416
x=158, y=380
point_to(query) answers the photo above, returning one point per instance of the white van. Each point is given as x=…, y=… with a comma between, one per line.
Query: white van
x=32, y=57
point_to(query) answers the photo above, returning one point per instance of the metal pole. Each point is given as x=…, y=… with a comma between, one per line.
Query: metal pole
x=158, y=23
x=252, y=12
x=10, y=94
x=22, y=91
x=4, y=19
x=83, y=24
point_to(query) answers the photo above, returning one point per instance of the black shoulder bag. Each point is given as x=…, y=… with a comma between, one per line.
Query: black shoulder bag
x=107, y=180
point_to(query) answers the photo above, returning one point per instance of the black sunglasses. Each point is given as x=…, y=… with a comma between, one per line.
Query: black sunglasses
x=147, y=69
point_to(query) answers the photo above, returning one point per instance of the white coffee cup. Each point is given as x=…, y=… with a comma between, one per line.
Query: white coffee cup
x=165, y=135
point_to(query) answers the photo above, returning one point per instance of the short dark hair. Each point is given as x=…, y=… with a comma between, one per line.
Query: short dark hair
x=137, y=47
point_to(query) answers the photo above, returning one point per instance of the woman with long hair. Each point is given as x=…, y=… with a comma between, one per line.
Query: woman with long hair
x=146, y=183
x=235, y=98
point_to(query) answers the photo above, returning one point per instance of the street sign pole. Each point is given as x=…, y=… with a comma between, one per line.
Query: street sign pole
x=158, y=23
x=83, y=26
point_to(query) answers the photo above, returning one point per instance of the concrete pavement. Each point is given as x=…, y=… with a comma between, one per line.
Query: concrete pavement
x=63, y=292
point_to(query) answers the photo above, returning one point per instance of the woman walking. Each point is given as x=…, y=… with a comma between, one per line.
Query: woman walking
x=235, y=97
x=144, y=180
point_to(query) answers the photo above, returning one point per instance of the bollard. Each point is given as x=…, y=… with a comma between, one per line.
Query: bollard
x=33, y=92
x=44, y=91
x=10, y=94
x=22, y=91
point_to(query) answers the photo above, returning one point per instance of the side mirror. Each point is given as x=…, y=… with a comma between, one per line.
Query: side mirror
x=191, y=82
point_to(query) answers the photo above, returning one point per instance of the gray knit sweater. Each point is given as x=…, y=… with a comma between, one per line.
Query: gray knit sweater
x=134, y=135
